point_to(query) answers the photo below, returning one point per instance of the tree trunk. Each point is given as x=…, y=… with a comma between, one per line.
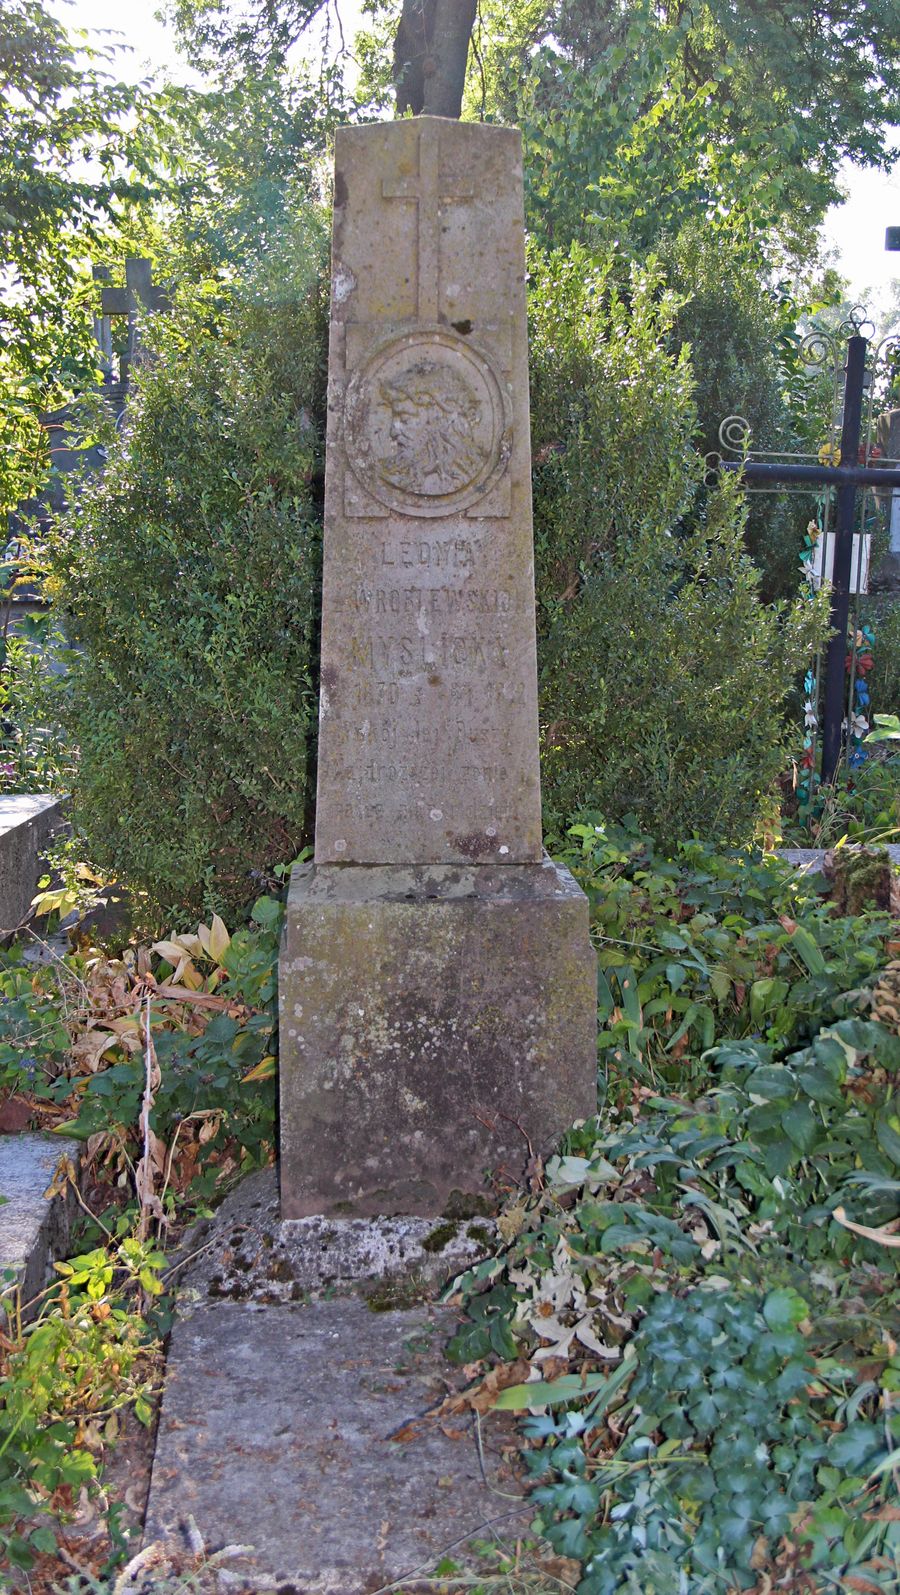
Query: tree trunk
x=430, y=54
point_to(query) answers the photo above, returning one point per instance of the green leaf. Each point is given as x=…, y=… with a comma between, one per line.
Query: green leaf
x=721, y=983
x=784, y=1309
x=771, y=1081
x=690, y=1015
x=855, y=1448
x=266, y=911
x=502, y=1339
x=801, y=1125
x=567, y=1173
x=803, y=943
x=605, y=999
x=43, y=1539
x=765, y=996
x=628, y=984
x=888, y=1139
x=819, y=1085
x=556, y=1392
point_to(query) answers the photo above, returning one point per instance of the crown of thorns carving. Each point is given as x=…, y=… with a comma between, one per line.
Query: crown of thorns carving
x=428, y=384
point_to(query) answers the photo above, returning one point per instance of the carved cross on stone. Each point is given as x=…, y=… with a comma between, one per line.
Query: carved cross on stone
x=424, y=191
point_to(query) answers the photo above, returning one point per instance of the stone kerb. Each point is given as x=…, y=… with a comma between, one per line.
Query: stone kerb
x=27, y=822
x=34, y=1230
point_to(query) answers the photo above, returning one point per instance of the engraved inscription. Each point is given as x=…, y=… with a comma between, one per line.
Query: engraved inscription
x=405, y=655
x=426, y=425
x=380, y=731
x=428, y=601
x=438, y=553
x=377, y=693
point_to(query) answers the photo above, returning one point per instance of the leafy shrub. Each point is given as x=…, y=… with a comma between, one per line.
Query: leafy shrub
x=662, y=677
x=737, y=328
x=63, y=1379
x=703, y=946
x=33, y=753
x=187, y=581
x=724, y=1453
x=738, y=1422
x=73, y=1041
x=72, y=1037
x=862, y=804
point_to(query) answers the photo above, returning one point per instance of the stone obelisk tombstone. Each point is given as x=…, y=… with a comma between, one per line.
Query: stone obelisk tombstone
x=438, y=985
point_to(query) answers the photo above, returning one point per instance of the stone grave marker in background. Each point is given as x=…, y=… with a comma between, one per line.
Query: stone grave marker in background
x=887, y=436
x=438, y=995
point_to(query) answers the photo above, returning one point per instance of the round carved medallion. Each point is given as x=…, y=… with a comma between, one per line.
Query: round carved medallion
x=426, y=424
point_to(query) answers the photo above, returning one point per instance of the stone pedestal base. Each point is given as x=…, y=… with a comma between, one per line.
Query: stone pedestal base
x=438, y=1025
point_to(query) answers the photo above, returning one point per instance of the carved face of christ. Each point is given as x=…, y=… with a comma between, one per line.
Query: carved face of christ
x=434, y=416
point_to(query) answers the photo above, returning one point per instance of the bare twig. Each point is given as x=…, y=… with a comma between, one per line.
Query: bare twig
x=183, y=1261
x=423, y=1567
x=198, y=999
x=199, y=1113
x=508, y=1495
x=143, y=1174
x=76, y=979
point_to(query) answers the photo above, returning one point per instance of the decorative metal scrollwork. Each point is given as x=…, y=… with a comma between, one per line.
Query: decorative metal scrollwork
x=855, y=323
x=818, y=347
x=734, y=434
x=887, y=352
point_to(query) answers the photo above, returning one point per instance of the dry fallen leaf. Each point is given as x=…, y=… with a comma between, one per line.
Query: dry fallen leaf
x=415, y=1429
x=885, y=1235
x=481, y=1397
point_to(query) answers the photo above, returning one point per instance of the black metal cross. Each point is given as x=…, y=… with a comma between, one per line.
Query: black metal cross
x=846, y=478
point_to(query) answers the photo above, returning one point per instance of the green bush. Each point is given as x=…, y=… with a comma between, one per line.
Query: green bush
x=187, y=581
x=35, y=755
x=188, y=584
x=663, y=677
x=738, y=330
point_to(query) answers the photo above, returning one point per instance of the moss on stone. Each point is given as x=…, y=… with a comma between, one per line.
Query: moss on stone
x=481, y=1235
x=393, y=1295
x=862, y=879
x=468, y=1204
x=441, y=1236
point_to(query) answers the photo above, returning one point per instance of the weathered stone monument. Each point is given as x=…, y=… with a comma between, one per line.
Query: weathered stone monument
x=887, y=437
x=437, y=978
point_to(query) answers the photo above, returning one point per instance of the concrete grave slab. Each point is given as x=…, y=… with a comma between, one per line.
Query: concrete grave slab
x=299, y=1432
x=33, y=1231
x=27, y=823
x=811, y=860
